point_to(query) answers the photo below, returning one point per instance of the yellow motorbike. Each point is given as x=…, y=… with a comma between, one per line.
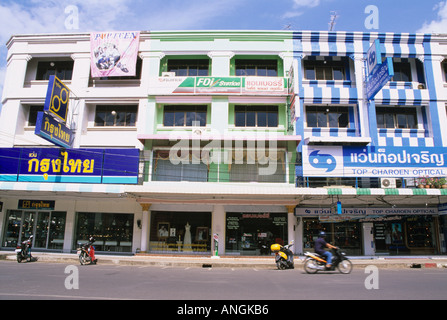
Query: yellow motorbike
x=283, y=255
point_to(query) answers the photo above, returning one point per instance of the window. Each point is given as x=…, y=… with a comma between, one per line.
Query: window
x=185, y=170
x=189, y=67
x=184, y=116
x=259, y=68
x=61, y=69
x=32, y=115
x=116, y=115
x=396, y=117
x=256, y=116
x=402, y=71
x=112, y=231
x=327, y=116
x=324, y=70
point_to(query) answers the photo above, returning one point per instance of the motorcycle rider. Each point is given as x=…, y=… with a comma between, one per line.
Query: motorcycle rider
x=320, y=245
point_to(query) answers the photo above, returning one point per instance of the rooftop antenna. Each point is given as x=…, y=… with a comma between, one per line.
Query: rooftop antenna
x=332, y=22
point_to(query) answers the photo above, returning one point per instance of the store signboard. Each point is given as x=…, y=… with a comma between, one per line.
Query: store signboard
x=53, y=131
x=57, y=98
x=356, y=213
x=37, y=204
x=219, y=85
x=374, y=56
x=379, y=78
x=69, y=165
x=370, y=161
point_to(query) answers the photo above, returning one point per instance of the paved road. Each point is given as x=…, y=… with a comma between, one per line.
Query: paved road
x=33, y=281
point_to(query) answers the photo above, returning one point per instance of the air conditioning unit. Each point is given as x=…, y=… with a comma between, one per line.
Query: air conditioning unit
x=388, y=182
x=168, y=74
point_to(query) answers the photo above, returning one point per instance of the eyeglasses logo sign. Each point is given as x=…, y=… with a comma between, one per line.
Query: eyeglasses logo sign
x=322, y=161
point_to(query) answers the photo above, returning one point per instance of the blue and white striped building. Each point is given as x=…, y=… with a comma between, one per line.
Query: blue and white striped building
x=345, y=164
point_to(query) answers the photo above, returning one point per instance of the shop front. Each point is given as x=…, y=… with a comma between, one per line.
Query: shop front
x=373, y=231
x=47, y=227
x=253, y=233
x=405, y=235
x=180, y=232
x=112, y=231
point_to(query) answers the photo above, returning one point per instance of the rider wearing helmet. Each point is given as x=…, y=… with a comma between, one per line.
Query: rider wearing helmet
x=320, y=245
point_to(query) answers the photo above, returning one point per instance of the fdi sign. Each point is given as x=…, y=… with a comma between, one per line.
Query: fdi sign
x=57, y=98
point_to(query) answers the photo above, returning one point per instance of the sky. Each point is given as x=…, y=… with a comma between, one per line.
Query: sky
x=50, y=16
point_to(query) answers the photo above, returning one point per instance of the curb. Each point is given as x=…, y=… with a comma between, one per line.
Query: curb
x=224, y=262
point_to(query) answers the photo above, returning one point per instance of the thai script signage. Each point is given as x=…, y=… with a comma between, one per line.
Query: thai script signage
x=363, y=212
x=379, y=78
x=56, y=101
x=350, y=161
x=114, y=54
x=36, y=204
x=69, y=165
x=53, y=131
x=219, y=85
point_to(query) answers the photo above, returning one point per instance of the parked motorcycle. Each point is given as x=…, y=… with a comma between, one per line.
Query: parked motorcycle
x=86, y=252
x=315, y=262
x=283, y=255
x=24, y=250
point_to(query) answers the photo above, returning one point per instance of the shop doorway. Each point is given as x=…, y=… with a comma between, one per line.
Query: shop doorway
x=253, y=233
x=402, y=235
x=48, y=228
x=180, y=232
x=343, y=234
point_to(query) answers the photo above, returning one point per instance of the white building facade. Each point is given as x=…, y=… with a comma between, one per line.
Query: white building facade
x=247, y=137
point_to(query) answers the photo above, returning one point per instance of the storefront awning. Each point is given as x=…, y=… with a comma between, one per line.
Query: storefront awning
x=198, y=135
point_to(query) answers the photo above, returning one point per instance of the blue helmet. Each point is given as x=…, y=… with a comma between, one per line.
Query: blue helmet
x=322, y=234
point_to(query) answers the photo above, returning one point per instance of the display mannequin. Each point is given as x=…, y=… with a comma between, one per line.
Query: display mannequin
x=187, y=238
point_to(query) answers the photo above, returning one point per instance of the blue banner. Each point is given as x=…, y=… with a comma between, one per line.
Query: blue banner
x=118, y=166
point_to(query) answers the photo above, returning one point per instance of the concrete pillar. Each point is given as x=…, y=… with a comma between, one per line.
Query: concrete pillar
x=145, y=226
x=218, y=226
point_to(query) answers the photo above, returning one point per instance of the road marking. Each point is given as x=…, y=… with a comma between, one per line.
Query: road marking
x=59, y=296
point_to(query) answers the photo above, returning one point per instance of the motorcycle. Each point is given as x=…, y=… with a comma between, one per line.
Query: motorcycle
x=315, y=262
x=86, y=252
x=24, y=250
x=283, y=255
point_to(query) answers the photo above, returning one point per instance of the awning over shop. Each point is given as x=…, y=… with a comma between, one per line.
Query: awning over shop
x=204, y=136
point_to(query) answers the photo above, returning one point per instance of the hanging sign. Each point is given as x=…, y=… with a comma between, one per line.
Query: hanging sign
x=114, y=54
x=379, y=78
x=53, y=131
x=56, y=101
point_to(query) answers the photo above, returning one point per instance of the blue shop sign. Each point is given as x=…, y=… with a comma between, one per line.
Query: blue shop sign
x=57, y=98
x=69, y=165
x=53, y=131
x=379, y=78
x=372, y=161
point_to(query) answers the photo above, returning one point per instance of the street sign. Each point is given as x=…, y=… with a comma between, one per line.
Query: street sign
x=379, y=78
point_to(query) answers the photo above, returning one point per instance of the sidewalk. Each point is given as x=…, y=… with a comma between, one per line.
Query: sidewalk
x=264, y=262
